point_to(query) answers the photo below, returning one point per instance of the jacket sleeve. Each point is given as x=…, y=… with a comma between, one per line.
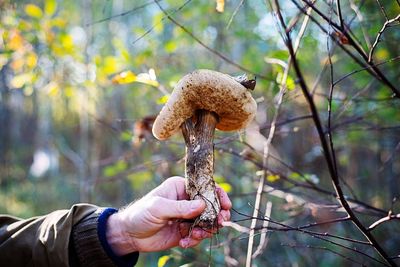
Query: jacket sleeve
x=74, y=237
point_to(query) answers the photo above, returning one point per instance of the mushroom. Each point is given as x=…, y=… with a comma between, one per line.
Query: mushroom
x=202, y=101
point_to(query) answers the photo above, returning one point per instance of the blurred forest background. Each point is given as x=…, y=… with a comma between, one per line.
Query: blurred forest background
x=81, y=82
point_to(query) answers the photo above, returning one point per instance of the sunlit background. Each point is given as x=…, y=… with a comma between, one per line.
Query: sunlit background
x=81, y=82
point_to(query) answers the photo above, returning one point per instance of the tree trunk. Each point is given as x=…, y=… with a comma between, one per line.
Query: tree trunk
x=198, y=132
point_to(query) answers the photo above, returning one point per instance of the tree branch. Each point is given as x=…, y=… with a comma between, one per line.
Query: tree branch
x=325, y=146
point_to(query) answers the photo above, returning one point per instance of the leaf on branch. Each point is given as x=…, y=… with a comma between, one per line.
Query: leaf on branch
x=128, y=76
x=33, y=11
x=342, y=38
x=290, y=83
x=50, y=7
x=220, y=6
x=273, y=178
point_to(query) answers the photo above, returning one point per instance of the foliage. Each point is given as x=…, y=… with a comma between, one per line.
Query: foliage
x=81, y=81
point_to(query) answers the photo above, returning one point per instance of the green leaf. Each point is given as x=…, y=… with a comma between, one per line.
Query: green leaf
x=125, y=136
x=138, y=179
x=170, y=46
x=290, y=84
x=163, y=260
x=115, y=169
x=33, y=11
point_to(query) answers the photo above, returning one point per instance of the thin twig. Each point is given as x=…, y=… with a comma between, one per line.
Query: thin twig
x=382, y=9
x=356, y=10
x=287, y=228
x=148, y=31
x=234, y=14
x=267, y=144
x=384, y=219
x=263, y=238
x=355, y=45
x=378, y=36
x=213, y=51
x=325, y=146
x=121, y=14
x=324, y=248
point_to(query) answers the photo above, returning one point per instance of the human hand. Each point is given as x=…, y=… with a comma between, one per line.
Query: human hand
x=154, y=223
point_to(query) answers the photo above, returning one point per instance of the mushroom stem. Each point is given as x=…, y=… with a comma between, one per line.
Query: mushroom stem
x=198, y=132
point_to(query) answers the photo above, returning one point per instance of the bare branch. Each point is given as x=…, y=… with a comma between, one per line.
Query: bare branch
x=263, y=239
x=378, y=36
x=325, y=146
x=234, y=14
x=133, y=10
x=215, y=52
x=324, y=248
x=384, y=219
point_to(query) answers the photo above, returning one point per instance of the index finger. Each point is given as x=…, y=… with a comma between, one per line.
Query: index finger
x=224, y=200
x=172, y=188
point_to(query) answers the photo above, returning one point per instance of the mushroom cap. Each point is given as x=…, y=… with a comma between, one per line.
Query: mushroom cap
x=208, y=90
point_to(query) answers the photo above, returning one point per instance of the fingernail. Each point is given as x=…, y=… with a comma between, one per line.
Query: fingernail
x=196, y=204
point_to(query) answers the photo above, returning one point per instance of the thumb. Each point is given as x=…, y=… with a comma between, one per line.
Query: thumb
x=181, y=209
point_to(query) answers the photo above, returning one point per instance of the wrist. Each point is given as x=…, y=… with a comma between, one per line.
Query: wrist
x=117, y=237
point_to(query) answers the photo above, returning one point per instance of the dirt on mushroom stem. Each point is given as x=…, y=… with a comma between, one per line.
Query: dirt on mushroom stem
x=198, y=132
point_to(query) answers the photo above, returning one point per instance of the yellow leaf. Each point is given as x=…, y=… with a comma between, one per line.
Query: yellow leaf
x=52, y=88
x=163, y=260
x=20, y=80
x=272, y=178
x=31, y=60
x=162, y=100
x=110, y=65
x=124, y=77
x=59, y=22
x=220, y=6
x=227, y=187
x=50, y=7
x=146, y=80
x=33, y=11
x=67, y=42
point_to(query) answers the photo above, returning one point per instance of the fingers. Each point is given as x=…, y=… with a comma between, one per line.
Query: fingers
x=166, y=209
x=195, y=237
x=223, y=216
x=224, y=200
x=172, y=188
x=188, y=242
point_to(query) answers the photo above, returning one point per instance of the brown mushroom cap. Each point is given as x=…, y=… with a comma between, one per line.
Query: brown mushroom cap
x=209, y=90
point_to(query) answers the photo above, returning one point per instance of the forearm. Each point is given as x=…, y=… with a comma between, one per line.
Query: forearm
x=92, y=246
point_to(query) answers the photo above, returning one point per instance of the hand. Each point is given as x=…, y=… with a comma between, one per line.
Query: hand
x=153, y=222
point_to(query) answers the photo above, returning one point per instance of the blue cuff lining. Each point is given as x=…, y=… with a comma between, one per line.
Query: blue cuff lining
x=121, y=261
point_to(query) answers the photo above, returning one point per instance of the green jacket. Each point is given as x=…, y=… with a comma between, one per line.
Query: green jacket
x=74, y=237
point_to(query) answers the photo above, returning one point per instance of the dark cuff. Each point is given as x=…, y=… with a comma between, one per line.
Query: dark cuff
x=121, y=261
x=91, y=246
